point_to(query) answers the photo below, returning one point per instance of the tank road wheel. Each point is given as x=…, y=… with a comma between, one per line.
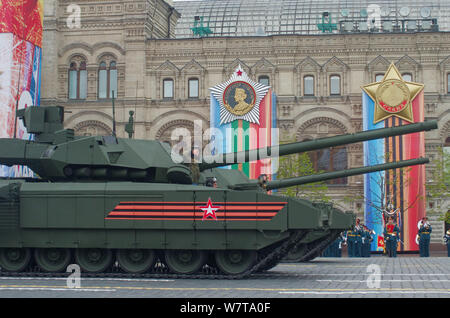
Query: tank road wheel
x=185, y=261
x=53, y=260
x=14, y=259
x=235, y=262
x=93, y=260
x=136, y=261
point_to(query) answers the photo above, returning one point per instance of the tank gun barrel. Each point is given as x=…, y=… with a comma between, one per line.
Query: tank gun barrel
x=285, y=183
x=222, y=160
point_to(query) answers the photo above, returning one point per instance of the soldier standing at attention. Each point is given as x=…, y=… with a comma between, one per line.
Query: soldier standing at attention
x=327, y=252
x=367, y=240
x=363, y=241
x=341, y=241
x=447, y=241
x=391, y=233
x=336, y=245
x=424, y=238
x=370, y=234
x=350, y=243
x=358, y=239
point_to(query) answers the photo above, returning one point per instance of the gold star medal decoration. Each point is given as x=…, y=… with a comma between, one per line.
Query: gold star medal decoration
x=393, y=96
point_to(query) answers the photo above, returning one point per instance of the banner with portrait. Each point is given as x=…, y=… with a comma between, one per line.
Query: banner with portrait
x=243, y=114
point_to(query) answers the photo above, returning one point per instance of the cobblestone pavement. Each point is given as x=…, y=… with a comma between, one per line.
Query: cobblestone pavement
x=322, y=277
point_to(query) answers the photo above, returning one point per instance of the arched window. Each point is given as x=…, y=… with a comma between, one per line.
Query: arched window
x=168, y=88
x=407, y=77
x=107, y=80
x=330, y=159
x=379, y=77
x=113, y=78
x=193, y=88
x=335, y=85
x=308, y=85
x=77, y=80
x=264, y=79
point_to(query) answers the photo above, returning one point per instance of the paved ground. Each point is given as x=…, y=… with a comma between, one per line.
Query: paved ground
x=323, y=277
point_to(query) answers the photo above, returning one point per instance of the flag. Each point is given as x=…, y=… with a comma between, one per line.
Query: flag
x=21, y=23
x=389, y=103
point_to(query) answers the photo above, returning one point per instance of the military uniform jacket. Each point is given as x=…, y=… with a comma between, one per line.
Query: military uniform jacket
x=350, y=237
x=424, y=232
x=358, y=233
x=391, y=232
x=369, y=237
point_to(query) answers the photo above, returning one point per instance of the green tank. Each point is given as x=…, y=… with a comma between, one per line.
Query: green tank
x=111, y=204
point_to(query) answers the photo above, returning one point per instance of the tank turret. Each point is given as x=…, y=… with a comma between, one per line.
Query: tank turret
x=56, y=154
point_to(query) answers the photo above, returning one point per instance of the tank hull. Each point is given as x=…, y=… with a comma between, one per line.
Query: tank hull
x=160, y=217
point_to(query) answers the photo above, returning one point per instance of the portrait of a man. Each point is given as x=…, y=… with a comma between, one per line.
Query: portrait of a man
x=239, y=98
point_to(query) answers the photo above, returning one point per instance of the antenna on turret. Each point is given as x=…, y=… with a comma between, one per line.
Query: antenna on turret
x=114, y=115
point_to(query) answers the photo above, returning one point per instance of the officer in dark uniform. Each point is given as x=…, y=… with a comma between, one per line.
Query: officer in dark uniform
x=358, y=232
x=350, y=243
x=341, y=241
x=335, y=247
x=391, y=234
x=447, y=241
x=372, y=234
x=332, y=249
x=367, y=240
x=364, y=240
x=327, y=252
x=424, y=238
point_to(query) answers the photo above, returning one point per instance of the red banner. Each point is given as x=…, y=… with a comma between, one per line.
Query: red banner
x=23, y=18
x=380, y=242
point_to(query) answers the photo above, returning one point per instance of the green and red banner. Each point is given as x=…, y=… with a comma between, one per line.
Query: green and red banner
x=244, y=117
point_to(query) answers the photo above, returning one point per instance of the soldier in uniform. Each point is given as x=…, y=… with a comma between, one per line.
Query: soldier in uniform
x=327, y=252
x=336, y=247
x=340, y=241
x=367, y=240
x=371, y=234
x=391, y=234
x=358, y=232
x=424, y=238
x=447, y=241
x=350, y=243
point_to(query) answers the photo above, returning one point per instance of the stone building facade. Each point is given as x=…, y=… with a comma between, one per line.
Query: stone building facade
x=317, y=78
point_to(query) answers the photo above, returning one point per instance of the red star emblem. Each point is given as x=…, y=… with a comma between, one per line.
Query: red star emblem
x=239, y=73
x=209, y=210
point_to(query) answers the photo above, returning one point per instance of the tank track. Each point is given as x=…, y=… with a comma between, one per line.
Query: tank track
x=316, y=249
x=160, y=271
